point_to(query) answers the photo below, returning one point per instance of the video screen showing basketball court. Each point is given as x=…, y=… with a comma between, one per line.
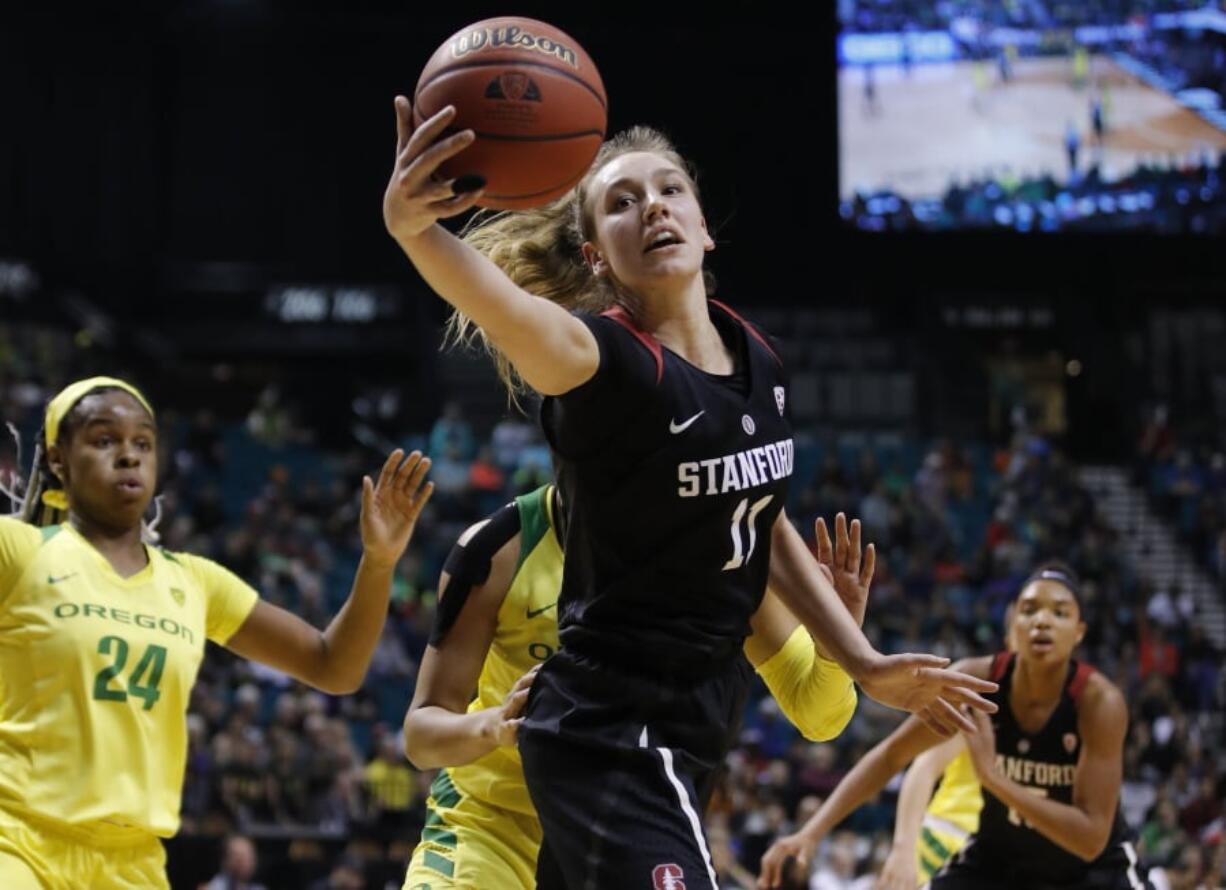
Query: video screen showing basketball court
x=1006, y=116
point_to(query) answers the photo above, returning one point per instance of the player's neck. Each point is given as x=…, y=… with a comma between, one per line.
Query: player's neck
x=682, y=322
x=122, y=547
x=1039, y=682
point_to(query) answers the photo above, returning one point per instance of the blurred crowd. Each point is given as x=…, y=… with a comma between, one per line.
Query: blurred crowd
x=287, y=787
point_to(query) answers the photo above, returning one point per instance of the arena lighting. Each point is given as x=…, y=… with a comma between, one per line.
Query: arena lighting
x=17, y=279
x=319, y=304
x=1001, y=317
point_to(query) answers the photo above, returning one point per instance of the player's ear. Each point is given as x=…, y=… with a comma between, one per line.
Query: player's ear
x=595, y=259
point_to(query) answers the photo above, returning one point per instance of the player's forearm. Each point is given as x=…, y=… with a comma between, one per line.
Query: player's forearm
x=856, y=610
x=1067, y=826
x=435, y=737
x=350, y=639
x=814, y=602
x=548, y=347
x=913, y=803
x=865, y=780
x=463, y=276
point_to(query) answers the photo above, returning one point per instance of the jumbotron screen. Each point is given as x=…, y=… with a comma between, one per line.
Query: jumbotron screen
x=1032, y=115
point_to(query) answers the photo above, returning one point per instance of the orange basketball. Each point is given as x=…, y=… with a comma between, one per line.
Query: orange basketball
x=534, y=99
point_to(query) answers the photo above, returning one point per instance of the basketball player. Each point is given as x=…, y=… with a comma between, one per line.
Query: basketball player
x=667, y=416
x=497, y=622
x=929, y=828
x=1050, y=768
x=1081, y=67
x=101, y=636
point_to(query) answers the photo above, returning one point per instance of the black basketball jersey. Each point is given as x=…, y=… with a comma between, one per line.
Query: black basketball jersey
x=1046, y=763
x=671, y=479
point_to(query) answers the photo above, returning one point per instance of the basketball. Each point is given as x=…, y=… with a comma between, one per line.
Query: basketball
x=534, y=99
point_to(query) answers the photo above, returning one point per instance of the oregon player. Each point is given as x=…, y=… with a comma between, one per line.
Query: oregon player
x=101, y=635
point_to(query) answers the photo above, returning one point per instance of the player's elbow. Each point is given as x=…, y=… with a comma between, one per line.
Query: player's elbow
x=1090, y=852
x=417, y=749
x=338, y=685
x=350, y=686
x=418, y=758
x=322, y=668
x=552, y=355
x=422, y=757
x=335, y=678
x=414, y=752
x=1092, y=844
x=827, y=726
x=824, y=731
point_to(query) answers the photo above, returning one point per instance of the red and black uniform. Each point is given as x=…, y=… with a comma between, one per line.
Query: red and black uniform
x=1006, y=853
x=671, y=479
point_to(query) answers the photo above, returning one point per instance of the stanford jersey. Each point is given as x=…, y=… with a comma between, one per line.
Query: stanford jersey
x=671, y=479
x=1006, y=852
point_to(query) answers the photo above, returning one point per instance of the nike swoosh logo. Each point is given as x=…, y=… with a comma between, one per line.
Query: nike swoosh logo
x=54, y=580
x=674, y=427
x=532, y=613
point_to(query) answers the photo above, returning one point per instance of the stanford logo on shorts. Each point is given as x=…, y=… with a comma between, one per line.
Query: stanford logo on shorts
x=668, y=877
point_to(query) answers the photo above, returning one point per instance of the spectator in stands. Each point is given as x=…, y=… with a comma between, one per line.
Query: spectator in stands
x=238, y=866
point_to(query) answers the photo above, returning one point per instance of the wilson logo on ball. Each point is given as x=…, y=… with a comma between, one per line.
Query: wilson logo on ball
x=533, y=98
x=511, y=36
x=513, y=86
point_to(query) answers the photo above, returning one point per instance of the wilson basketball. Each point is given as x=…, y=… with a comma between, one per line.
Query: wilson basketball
x=534, y=99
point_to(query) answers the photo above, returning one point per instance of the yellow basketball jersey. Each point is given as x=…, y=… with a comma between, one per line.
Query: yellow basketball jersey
x=952, y=816
x=958, y=798
x=95, y=677
x=527, y=634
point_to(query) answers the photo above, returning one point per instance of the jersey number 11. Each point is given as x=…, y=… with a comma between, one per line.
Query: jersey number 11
x=742, y=552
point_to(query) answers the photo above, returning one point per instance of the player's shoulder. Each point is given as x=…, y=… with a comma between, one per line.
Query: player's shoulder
x=15, y=532
x=758, y=335
x=495, y=533
x=624, y=343
x=487, y=551
x=1102, y=715
x=1102, y=697
x=189, y=561
x=19, y=545
x=200, y=568
x=469, y=533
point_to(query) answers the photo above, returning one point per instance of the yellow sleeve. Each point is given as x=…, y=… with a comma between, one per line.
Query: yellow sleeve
x=230, y=598
x=18, y=542
x=815, y=694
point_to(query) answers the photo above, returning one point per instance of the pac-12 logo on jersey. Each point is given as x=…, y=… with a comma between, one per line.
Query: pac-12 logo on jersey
x=668, y=877
x=779, y=399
